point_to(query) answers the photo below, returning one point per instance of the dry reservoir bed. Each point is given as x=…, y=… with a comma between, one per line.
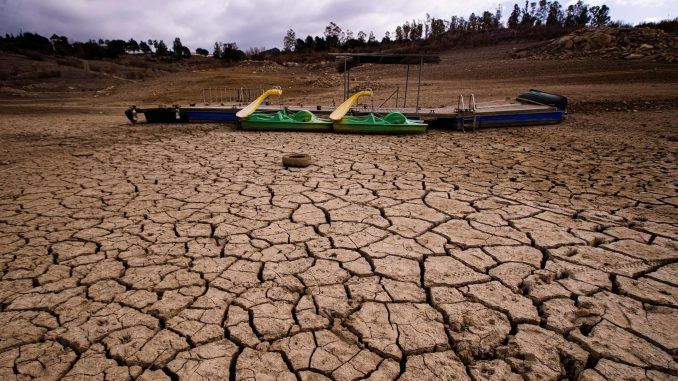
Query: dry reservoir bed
x=189, y=252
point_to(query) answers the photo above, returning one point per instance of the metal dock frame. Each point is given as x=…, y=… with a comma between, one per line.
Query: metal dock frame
x=347, y=61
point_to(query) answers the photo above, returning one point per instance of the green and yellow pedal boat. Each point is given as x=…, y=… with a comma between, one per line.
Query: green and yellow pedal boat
x=281, y=121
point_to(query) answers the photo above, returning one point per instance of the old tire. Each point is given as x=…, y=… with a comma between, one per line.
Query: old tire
x=298, y=160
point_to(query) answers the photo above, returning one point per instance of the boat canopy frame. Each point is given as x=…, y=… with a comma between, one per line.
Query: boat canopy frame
x=351, y=60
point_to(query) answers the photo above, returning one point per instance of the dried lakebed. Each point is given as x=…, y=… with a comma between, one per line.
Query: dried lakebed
x=190, y=253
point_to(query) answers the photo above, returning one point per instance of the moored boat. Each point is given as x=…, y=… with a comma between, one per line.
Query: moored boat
x=539, y=97
x=302, y=120
x=392, y=123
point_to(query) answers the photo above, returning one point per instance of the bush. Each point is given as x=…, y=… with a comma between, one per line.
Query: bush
x=98, y=67
x=135, y=75
x=70, y=61
x=44, y=74
x=32, y=55
x=139, y=64
x=40, y=74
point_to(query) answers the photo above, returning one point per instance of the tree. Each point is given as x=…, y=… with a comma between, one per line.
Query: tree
x=498, y=14
x=320, y=43
x=399, y=34
x=542, y=12
x=528, y=20
x=463, y=24
x=514, y=18
x=115, y=48
x=406, y=30
x=132, y=45
x=217, y=50
x=372, y=40
x=202, y=52
x=472, y=22
x=89, y=50
x=347, y=37
x=487, y=21
x=177, y=47
x=161, y=48
x=185, y=52
x=533, y=12
x=584, y=16
x=570, y=17
x=437, y=27
x=387, y=38
x=231, y=53
x=143, y=46
x=417, y=31
x=454, y=23
x=332, y=35
x=299, y=45
x=61, y=44
x=600, y=15
x=362, y=37
x=577, y=15
x=555, y=16
x=289, y=40
x=310, y=43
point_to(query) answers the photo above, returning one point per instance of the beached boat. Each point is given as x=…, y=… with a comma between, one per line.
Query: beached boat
x=539, y=97
x=392, y=123
x=301, y=120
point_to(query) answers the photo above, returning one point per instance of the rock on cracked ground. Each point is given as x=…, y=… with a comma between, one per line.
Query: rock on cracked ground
x=189, y=253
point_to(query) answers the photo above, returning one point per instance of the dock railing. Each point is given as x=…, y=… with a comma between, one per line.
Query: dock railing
x=469, y=111
x=230, y=95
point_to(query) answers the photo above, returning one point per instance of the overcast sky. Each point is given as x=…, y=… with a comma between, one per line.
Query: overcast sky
x=199, y=23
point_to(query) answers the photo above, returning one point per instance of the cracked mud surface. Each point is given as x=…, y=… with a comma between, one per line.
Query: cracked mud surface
x=189, y=253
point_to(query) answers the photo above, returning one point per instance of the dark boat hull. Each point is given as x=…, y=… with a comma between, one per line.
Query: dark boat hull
x=166, y=115
x=543, y=98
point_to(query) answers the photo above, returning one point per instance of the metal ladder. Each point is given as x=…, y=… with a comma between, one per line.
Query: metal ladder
x=467, y=112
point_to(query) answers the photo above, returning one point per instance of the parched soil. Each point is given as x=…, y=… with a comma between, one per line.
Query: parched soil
x=188, y=252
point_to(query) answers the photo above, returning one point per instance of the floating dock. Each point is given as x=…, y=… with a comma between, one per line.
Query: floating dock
x=482, y=115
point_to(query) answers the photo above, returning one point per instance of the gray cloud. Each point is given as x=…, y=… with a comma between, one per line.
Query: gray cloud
x=200, y=23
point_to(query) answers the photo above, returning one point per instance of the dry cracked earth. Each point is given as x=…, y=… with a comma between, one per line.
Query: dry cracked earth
x=189, y=253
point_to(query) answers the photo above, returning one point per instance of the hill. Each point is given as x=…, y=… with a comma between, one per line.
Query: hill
x=591, y=81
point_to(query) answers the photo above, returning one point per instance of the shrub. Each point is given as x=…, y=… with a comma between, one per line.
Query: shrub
x=70, y=61
x=46, y=74
x=35, y=56
x=139, y=64
x=98, y=67
x=134, y=75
